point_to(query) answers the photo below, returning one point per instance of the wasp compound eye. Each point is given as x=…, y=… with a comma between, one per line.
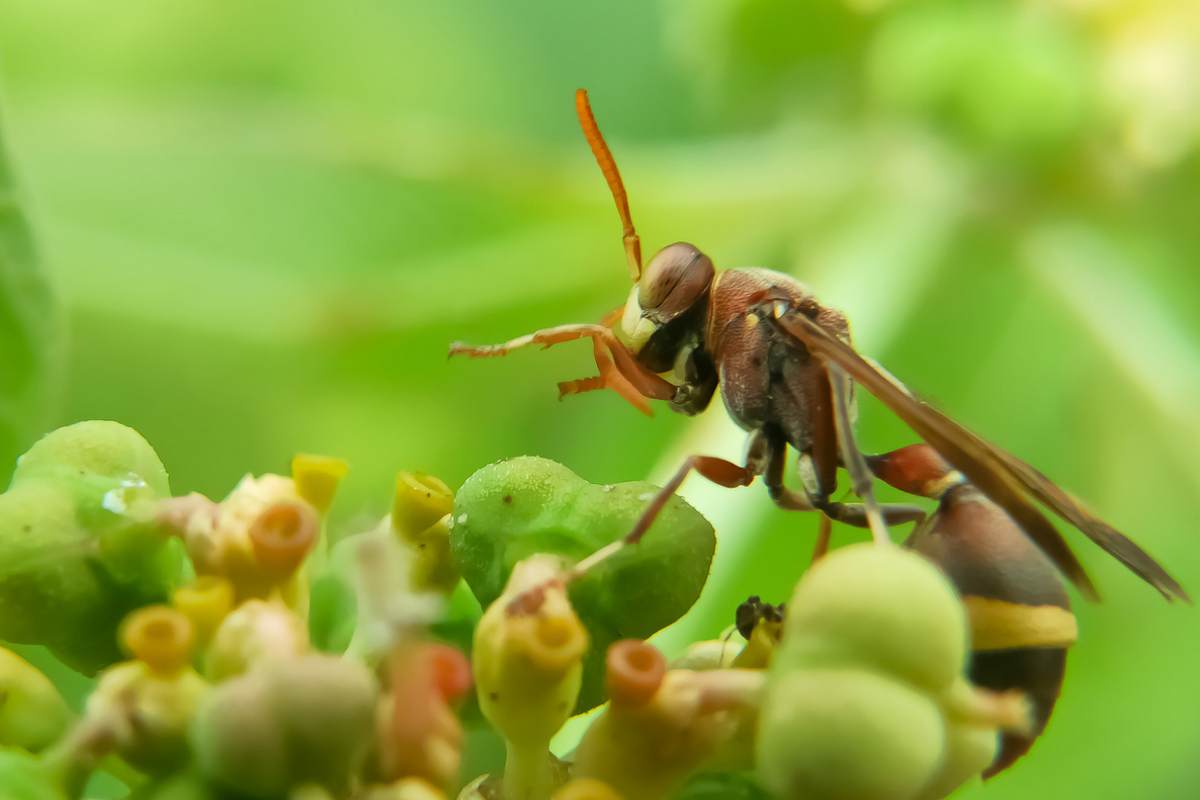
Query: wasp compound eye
x=677, y=277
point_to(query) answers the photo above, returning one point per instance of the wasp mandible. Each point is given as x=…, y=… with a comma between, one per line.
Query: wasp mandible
x=787, y=371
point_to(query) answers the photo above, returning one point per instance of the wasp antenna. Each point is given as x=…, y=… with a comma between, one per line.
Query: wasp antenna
x=591, y=132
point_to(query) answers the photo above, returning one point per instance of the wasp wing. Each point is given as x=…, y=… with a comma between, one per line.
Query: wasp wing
x=1004, y=478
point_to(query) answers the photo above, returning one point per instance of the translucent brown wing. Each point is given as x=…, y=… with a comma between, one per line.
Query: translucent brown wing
x=1004, y=478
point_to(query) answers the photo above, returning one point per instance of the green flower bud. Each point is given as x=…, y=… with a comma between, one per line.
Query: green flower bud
x=256, y=631
x=23, y=777
x=509, y=511
x=287, y=723
x=866, y=697
x=847, y=734
x=969, y=750
x=93, y=450
x=78, y=545
x=187, y=786
x=33, y=714
x=881, y=608
x=722, y=786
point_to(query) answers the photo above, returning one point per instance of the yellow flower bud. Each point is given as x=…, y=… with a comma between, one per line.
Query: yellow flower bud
x=528, y=663
x=317, y=478
x=420, y=501
x=205, y=601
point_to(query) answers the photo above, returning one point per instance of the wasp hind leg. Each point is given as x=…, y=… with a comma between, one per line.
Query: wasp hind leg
x=854, y=514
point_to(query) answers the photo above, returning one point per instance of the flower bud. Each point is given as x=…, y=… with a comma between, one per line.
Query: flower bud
x=146, y=704
x=528, y=661
x=420, y=501
x=79, y=548
x=33, y=714
x=664, y=725
x=287, y=723
x=508, y=511
x=847, y=734
x=878, y=607
x=255, y=632
x=418, y=732
x=206, y=602
x=317, y=479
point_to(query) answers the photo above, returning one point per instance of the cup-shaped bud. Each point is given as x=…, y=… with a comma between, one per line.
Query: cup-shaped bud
x=317, y=478
x=528, y=661
x=527, y=664
x=553, y=644
x=509, y=511
x=420, y=501
x=418, y=733
x=160, y=637
x=451, y=672
x=282, y=536
x=33, y=714
x=646, y=747
x=206, y=601
x=432, y=567
x=635, y=671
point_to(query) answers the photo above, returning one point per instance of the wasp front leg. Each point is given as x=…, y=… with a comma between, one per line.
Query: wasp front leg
x=618, y=368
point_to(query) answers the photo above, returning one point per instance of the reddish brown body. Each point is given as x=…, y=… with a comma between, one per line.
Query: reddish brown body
x=768, y=383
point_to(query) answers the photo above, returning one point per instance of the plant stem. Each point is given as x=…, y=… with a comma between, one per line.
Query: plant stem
x=528, y=772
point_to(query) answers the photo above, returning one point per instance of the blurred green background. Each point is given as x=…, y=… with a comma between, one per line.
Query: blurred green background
x=264, y=222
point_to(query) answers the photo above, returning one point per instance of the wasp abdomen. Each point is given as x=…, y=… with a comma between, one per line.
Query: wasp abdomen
x=1020, y=614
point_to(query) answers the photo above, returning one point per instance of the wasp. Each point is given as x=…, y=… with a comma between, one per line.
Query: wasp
x=1017, y=607
x=787, y=370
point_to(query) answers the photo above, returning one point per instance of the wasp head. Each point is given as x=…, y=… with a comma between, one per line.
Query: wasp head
x=664, y=315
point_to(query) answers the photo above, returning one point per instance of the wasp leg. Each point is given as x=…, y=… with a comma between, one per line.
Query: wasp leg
x=862, y=480
x=824, y=531
x=917, y=469
x=854, y=514
x=609, y=378
x=718, y=470
x=619, y=370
